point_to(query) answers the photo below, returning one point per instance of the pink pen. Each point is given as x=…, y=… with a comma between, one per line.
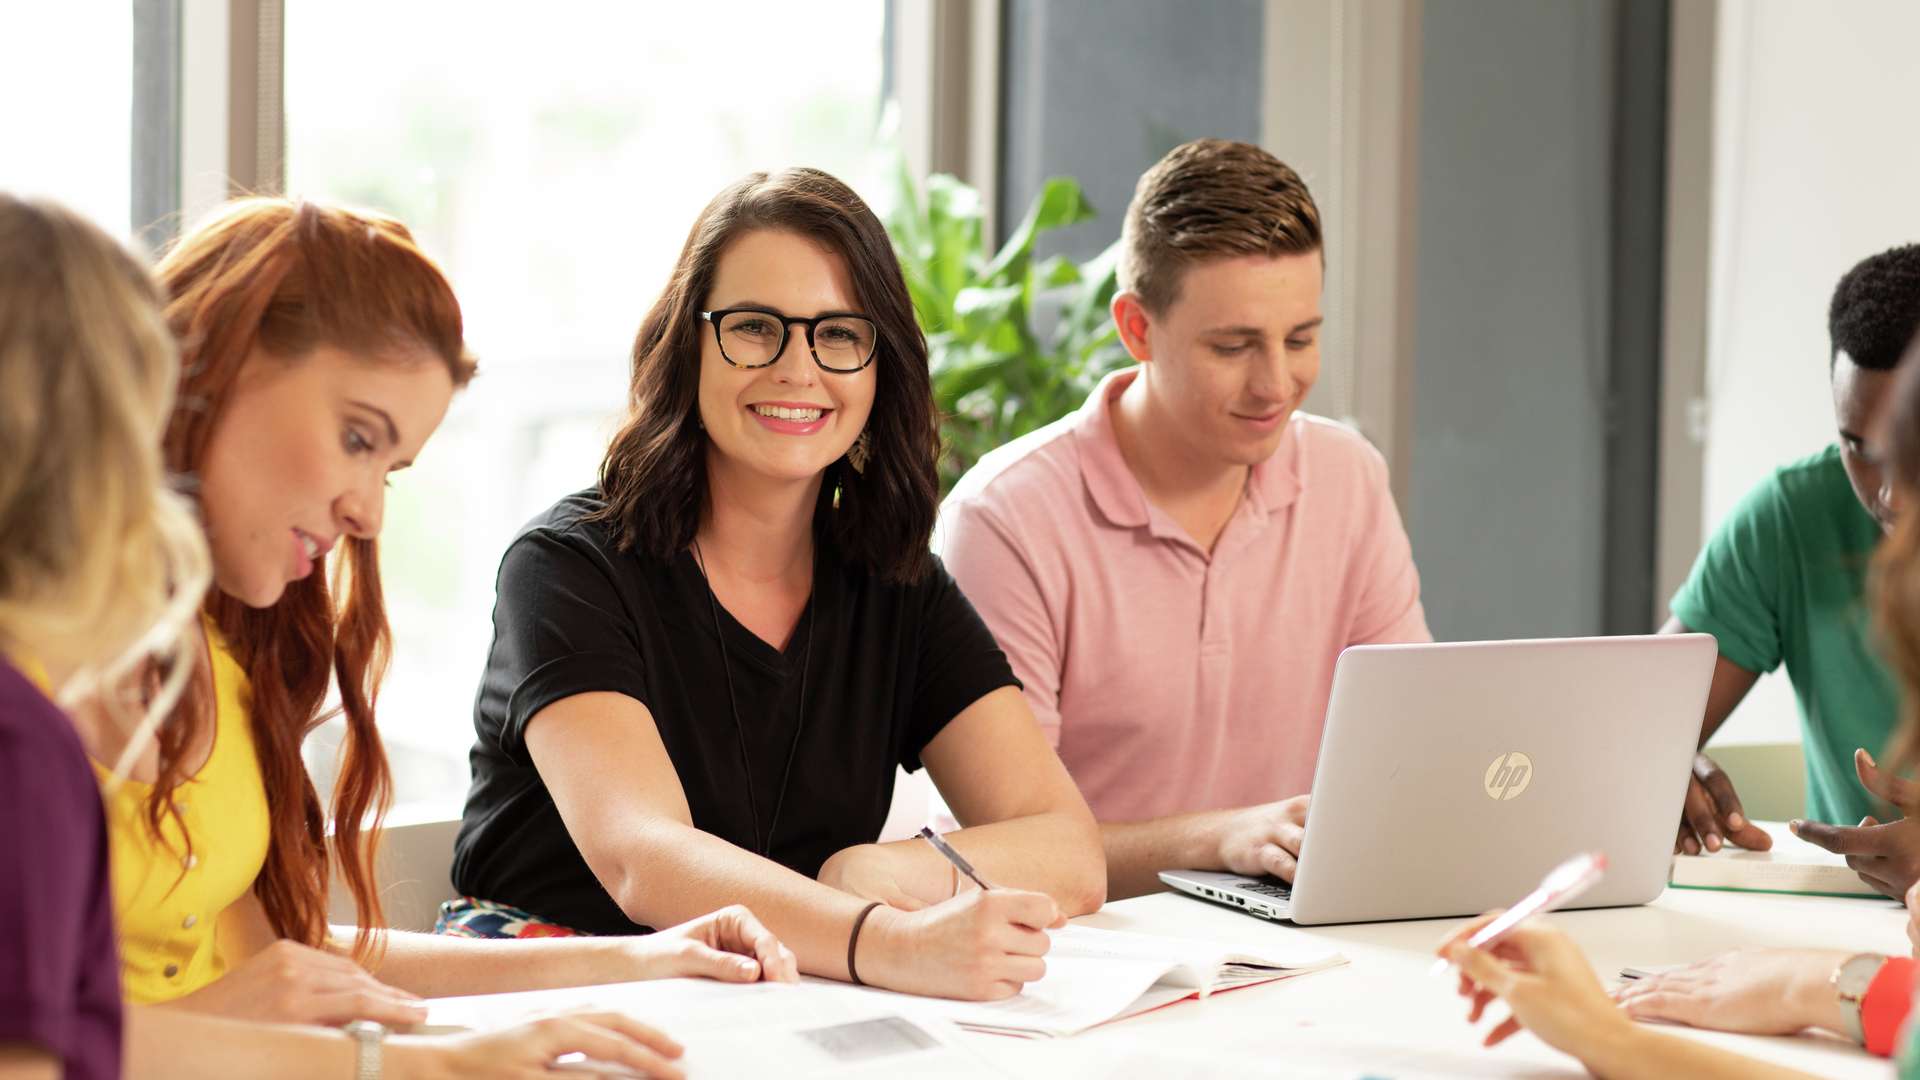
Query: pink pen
x=1557, y=889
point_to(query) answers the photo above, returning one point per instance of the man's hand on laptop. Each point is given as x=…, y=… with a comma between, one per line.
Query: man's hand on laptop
x=1886, y=856
x=1264, y=839
x=1712, y=816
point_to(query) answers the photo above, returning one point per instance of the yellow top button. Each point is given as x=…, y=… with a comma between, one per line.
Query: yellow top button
x=156, y=882
x=188, y=922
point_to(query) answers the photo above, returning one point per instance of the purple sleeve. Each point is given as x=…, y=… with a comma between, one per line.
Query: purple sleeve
x=59, y=972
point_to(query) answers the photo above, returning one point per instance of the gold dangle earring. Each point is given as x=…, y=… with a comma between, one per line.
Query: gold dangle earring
x=857, y=456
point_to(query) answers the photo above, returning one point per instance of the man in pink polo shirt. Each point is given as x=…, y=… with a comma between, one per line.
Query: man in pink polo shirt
x=1174, y=567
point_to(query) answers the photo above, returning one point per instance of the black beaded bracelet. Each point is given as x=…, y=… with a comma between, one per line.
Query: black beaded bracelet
x=853, y=940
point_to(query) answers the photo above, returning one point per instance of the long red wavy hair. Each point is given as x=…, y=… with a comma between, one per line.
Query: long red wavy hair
x=289, y=277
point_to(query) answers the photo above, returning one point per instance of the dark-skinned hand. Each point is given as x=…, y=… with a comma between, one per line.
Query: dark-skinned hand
x=1712, y=816
x=1885, y=855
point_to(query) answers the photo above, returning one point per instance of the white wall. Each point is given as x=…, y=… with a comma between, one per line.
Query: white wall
x=1815, y=161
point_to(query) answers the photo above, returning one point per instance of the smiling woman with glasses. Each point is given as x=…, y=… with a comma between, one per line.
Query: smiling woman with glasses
x=707, y=667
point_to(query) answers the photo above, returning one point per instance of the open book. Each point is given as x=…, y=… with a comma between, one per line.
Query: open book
x=1094, y=976
x=1791, y=866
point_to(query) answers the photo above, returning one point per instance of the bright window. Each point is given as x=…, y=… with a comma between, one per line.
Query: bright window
x=66, y=107
x=553, y=164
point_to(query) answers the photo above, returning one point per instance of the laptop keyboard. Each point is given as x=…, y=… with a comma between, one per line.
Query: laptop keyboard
x=1279, y=890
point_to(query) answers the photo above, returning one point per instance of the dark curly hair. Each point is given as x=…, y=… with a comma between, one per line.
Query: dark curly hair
x=1875, y=312
x=654, y=477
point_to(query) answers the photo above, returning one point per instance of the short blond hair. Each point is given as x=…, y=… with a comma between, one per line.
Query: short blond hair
x=1210, y=199
x=102, y=567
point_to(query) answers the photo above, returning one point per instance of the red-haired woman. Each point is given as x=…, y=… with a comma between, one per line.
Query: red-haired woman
x=319, y=350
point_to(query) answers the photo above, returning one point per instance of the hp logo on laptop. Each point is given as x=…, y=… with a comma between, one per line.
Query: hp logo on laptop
x=1509, y=775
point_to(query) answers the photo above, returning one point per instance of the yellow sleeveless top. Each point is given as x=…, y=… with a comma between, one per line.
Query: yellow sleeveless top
x=169, y=901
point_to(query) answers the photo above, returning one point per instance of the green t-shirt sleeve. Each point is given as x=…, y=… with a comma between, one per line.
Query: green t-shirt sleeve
x=1737, y=589
x=1907, y=1046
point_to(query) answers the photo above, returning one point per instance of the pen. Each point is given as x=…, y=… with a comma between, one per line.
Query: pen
x=952, y=856
x=1564, y=883
x=1631, y=973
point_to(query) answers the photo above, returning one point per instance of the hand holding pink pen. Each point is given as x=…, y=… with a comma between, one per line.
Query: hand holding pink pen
x=1560, y=887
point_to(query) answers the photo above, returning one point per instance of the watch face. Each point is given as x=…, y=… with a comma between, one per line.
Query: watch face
x=1854, y=976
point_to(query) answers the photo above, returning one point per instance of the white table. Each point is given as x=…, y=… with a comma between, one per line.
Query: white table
x=1380, y=1015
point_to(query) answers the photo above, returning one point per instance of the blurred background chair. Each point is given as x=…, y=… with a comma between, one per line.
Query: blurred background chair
x=414, y=873
x=1771, y=778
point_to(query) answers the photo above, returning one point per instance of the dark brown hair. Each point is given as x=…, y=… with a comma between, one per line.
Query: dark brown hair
x=654, y=477
x=289, y=277
x=1207, y=199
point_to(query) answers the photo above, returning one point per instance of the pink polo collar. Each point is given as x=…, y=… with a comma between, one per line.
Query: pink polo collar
x=1273, y=485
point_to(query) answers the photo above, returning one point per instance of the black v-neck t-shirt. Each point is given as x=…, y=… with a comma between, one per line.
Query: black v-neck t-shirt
x=887, y=666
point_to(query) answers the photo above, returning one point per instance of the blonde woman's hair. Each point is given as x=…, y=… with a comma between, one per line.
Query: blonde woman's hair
x=102, y=566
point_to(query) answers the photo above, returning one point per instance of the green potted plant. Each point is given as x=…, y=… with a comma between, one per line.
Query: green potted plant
x=1014, y=343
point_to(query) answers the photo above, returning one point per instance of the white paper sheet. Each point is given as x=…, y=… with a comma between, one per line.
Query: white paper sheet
x=1094, y=976
x=813, y=1029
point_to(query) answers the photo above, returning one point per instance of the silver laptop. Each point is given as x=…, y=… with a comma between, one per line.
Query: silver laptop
x=1453, y=777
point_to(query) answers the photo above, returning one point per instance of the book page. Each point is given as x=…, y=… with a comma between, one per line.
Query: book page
x=1095, y=975
x=1792, y=865
x=1281, y=948
x=1076, y=994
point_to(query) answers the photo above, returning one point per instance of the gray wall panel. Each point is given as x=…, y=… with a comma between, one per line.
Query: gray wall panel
x=1099, y=89
x=1514, y=299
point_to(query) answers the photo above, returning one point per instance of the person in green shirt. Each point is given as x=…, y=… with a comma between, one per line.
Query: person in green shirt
x=1783, y=581
x=1549, y=984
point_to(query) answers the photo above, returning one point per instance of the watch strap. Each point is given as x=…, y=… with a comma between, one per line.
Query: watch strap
x=1884, y=1009
x=368, y=1040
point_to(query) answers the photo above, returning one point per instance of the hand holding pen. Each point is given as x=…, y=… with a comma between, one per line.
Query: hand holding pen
x=1562, y=885
x=976, y=945
x=1540, y=973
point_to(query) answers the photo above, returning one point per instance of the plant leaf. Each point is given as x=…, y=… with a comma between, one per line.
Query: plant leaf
x=1059, y=204
x=957, y=381
x=1056, y=272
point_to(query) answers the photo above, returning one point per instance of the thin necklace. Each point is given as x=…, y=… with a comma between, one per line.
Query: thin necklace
x=733, y=704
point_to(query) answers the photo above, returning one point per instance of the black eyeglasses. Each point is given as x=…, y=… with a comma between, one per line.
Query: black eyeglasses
x=840, y=342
